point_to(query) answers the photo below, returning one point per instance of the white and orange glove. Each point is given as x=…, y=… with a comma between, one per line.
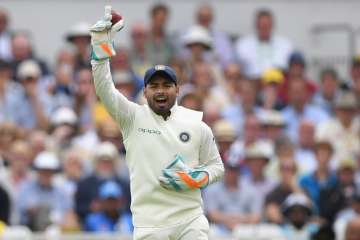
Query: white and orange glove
x=102, y=35
x=179, y=177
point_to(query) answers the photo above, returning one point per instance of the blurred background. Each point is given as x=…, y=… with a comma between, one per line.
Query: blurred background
x=278, y=82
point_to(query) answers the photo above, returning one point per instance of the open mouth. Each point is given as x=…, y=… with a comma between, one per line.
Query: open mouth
x=161, y=101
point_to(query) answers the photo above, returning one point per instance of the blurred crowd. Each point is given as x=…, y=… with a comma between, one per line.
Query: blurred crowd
x=290, y=144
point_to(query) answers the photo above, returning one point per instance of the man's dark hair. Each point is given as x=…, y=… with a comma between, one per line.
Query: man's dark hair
x=329, y=71
x=158, y=8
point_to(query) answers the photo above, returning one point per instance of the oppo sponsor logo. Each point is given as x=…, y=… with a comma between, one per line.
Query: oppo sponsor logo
x=149, y=131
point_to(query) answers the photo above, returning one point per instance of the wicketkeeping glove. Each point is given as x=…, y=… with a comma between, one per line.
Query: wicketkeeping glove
x=179, y=177
x=102, y=35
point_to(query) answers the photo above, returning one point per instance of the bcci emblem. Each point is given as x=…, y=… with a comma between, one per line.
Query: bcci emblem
x=184, y=136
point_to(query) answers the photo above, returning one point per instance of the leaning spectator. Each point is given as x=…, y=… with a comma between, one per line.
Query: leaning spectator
x=40, y=202
x=343, y=130
x=288, y=185
x=329, y=90
x=238, y=204
x=264, y=49
x=5, y=35
x=106, y=156
x=112, y=216
x=79, y=36
x=298, y=210
x=223, y=48
x=159, y=45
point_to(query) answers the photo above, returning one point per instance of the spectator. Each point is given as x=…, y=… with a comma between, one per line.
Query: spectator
x=86, y=202
x=40, y=202
x=158, y=46
x=79, y=37
x=221, y=42
x=354, y=82
x=271, y=81
x=233, y=78
x=263, y=50
x=112, y=216
x=10, y=92
x=124, y=83
x=257, y=157
x=238, y=204
x=251, y=134
x=22, y=50
x=5, y=36
x=272, y=125
x=36, y=104
x=296, y=71
x=300, y=109
x=191, y=100
x=353, y=230
x=343, y=130
x=288, y=185
x=5, y=206
x=297, y=210
x=346, y=169
x=304, y=153
x=138, y=55
x=225, y=135
x=329, y=90
x=322, y=178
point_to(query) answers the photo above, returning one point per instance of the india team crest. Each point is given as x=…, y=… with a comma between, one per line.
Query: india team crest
x=184, y=137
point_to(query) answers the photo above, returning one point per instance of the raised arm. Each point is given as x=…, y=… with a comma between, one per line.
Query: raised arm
x=120, y=108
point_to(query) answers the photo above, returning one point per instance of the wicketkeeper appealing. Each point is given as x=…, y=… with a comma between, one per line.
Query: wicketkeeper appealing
x=170, y=151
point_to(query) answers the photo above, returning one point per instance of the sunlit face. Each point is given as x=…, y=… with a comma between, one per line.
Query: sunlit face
x=161, y=94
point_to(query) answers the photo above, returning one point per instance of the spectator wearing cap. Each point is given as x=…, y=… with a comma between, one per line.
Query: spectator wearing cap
x=225, y=135
x=296, y=71
x=10, y=93
x=105, y=156
x=79, y=36
x=264, y=49
x=343, y=130
x=124, y=83
x=223, y=49
x=159, y=45
x=112, y=216
x=288, y=184
x=40, y=201
x=257, y=156
x=36, y=104
x=5, y=35
x=345, y=216
x=63, y=128
x=322, y=178
x=297, y=209
x=251, y=135
x=329, y=90
x=272, y=124
x=271, y=81
x=238, y=204
x=22, y=50
x=346, y=170
x=304, y=152
x=300, y=108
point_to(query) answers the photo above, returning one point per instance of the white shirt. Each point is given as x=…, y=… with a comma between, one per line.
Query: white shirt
x=257, y=56
x=151, y=144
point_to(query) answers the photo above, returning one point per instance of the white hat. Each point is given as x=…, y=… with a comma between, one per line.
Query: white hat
x=28, y=68
x=259, y=149
x=198, y=34
x=81, y=29
x=297, y=199
x=47, y=160
x=271, y=118
x=224, y=131
x=106, y=150
x=63, y=115
x=122, y=77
